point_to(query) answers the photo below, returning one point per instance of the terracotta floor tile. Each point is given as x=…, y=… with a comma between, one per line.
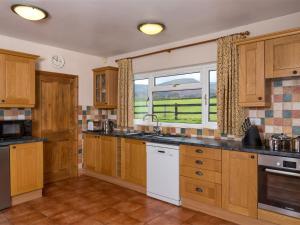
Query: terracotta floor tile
x=145, y=214
x=107, y=215
x=68, y=217
x=181, y=213
x=165, y=220
x=89, y=201
x=30, y=218
x=127, y=207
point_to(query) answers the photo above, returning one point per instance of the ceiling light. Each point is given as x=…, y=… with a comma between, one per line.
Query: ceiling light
x=151, y=28
x=29, y=12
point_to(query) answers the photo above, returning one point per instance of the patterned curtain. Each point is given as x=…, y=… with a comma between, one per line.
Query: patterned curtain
x=230, y=114
x=125, y=94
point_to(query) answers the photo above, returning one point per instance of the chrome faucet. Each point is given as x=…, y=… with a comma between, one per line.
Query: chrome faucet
x=156, y=128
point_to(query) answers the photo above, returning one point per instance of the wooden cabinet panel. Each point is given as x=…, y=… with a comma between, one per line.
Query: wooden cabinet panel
x=239, y=182
x=252, y=85
x=17, y=78
x=90, y=149
x=200, y=174
x=199, y=151
x=133, y=161
x=202, y=163
x=106, y=87
x=26, y=167
x=283, y=57
x=202, y=191
x=106, y=156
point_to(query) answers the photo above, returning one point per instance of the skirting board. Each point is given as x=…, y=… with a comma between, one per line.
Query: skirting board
x=277, y=218
x=114, y=180
x=221, y=213
x=19, y=199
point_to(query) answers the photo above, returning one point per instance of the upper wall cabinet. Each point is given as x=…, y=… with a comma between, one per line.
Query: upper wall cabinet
x=17, y=79
x=106, y=87
x=283, y=57
x=252, y=75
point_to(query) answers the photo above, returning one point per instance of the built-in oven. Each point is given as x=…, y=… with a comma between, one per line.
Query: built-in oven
x=10, y=129
x=279, y=184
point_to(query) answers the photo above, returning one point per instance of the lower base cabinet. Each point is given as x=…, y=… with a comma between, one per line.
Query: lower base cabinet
x=133, y=161
x=239, y=182
x=26, y=167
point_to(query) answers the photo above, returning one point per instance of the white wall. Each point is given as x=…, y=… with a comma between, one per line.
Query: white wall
x=76, y=63
x=202, y=53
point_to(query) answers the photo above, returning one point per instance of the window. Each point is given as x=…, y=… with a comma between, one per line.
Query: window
x=184, y=97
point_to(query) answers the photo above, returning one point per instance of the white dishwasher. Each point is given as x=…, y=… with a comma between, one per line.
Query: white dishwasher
x=163, y=172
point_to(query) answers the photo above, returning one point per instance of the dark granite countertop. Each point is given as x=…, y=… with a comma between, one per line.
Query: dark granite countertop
x=205, y=142
x=20, y=140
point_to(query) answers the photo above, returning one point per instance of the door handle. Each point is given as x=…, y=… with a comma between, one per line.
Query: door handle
x=199, y=151
x=199, y=162
x=199, y=173
x=198, y=189
x=161, y=151
x=283, y=172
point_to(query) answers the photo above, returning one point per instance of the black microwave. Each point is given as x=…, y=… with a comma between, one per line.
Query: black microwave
x=10, y=129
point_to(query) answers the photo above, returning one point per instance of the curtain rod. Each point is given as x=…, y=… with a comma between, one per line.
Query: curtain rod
x=246, y=33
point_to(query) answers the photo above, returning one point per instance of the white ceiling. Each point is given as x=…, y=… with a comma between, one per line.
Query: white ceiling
x=108, y=27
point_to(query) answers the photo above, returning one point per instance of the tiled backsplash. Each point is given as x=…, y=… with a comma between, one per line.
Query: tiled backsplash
x=15, y=114
x=284, y=114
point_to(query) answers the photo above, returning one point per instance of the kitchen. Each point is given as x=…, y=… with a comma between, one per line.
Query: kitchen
x=137, y=132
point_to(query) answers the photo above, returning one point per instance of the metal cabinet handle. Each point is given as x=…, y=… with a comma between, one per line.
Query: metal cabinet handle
x=259, y=98
x=199, y=173
x=199, y=162
x=199, y=151
x=295, y=72
x=2, y=100
x=252, y=157
x=198, y=189
x=283, y=173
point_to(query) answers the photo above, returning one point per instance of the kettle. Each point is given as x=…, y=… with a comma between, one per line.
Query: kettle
x=108, y=126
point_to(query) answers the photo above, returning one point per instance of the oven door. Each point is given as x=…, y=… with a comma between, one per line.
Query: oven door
x=279, y=190
x=11, y=129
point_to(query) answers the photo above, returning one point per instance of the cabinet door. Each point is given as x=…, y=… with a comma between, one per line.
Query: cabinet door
x=252, y=79
x=100, y=89
x=91, y=146
x=106, y=158
x=133, y=161
x=283, y=56
x=239, y=182
x=19, y=80
x=26, y=167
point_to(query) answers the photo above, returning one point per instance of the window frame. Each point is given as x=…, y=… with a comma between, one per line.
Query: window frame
x=204, y=85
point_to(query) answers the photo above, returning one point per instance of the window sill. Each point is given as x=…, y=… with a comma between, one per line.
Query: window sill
x=209, y=125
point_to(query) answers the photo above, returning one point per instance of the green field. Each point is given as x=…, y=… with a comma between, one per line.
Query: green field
x=169, y=116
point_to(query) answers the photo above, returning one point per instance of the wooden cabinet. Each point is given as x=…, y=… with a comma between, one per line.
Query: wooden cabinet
x=90, y=148
x=106, y=87
x=283, y=56
x=252, y=83
x=133, y=161
x=99, y=154
x=17, y=79
x=200, y=174
x=239, y=182
x=106, y=157
x=26, y=167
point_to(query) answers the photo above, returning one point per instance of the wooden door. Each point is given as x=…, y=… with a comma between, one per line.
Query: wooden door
x=26, y=167
x=55, y=118
x=283, y=56
x=133, y=161
x=239, y=182
x=18, y=81
x=89, y=151
x=106, y=158
x=252, y=78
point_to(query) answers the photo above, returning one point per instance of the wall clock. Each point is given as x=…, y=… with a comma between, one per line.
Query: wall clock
x=57, y=61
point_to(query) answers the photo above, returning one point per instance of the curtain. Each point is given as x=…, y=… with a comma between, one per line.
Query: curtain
x=230, y=114
x=125, y=94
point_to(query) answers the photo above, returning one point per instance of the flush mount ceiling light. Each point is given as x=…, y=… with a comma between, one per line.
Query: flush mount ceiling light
x=151, y=28
x=29, y=12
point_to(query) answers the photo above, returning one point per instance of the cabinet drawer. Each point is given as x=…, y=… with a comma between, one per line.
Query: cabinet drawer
x=198, y=162
x=200, y=174
x=203, y=152
x=201, y=191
